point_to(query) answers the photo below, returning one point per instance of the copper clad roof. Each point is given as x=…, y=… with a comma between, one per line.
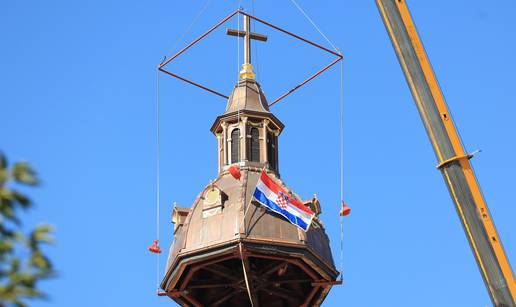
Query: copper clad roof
x=241, y=218
x=247, y=98
x=247, y=95
x=229, y=250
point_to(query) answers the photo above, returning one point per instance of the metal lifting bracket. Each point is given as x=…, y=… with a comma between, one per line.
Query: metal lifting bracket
x=456, y=158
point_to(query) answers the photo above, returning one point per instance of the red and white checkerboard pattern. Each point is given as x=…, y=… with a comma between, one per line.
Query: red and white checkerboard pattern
x=282, y=201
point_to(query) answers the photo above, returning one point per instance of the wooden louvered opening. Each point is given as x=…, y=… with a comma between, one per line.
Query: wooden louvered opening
x=235, y=146
x=271, y=151
x=254, y=146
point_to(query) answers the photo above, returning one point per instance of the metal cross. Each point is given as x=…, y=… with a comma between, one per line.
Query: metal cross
x=248, y=36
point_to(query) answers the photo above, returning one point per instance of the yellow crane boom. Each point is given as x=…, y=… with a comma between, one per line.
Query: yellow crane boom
x=453, y=161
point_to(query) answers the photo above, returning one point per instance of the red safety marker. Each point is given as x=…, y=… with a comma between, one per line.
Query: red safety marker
x=344, y=210
x=154, y=248
x=234, y=170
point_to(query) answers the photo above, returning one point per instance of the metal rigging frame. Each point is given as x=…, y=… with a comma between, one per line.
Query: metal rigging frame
x=161, y=66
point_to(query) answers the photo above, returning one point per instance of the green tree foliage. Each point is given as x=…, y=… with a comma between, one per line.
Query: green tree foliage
x=22, y=262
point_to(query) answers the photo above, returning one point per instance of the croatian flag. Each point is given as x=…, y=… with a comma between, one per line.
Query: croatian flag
x=272, y=196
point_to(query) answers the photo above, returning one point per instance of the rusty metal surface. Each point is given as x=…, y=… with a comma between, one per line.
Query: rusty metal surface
x=193, y=83
x=305, y=81
x=161, y=67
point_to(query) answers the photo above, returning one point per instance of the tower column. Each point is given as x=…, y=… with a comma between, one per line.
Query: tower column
x=264, y=145
x=225, y=141
x=243, y=139
x=220, y=152
x=276, y=134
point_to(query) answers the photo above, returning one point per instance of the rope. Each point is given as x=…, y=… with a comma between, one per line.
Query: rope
x=245, y=276
x=313, y=24
x=341, y=138
x=341, y=130
x=158, y=145
x=238, y=78
x=253, y=27
x=190, y=26
x=238, y=122
x=238, y=40
x=158, y=160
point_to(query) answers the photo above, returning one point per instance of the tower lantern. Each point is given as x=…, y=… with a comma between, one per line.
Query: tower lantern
x=247, y=131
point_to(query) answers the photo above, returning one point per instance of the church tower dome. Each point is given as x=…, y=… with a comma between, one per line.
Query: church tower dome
x=229, y=249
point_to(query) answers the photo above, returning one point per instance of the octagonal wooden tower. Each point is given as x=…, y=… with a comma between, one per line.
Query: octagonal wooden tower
x=229, y=250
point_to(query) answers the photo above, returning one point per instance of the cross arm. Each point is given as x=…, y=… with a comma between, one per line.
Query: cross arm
x=255, y=36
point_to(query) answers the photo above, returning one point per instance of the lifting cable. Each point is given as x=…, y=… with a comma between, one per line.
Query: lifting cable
x=191, y=25
x=341, y=129
x=239, y=7
x=155, y=247
x=253, y=27
x=247, y=286
x=158, y=161
x=314, y=25
x=341, y=162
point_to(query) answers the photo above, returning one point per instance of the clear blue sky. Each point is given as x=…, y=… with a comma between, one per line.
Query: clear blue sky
x=77, y=94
